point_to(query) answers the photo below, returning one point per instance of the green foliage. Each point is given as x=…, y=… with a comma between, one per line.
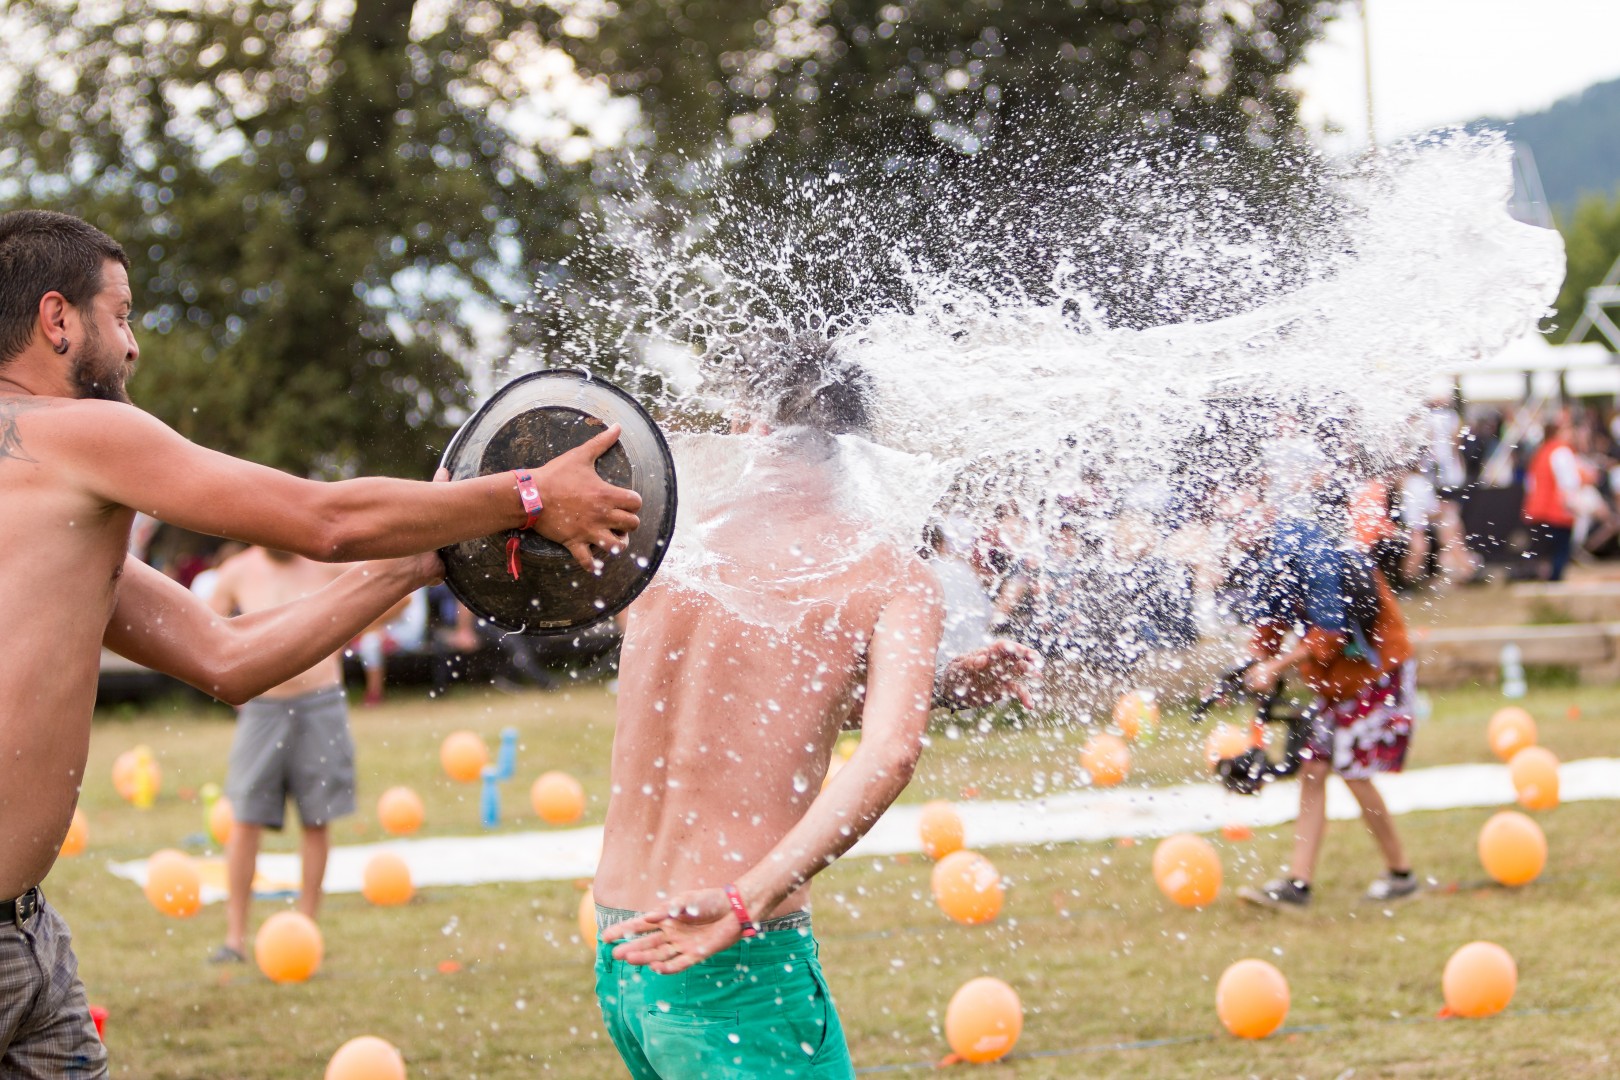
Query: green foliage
x=821, y=78
x=310, y=201
x=1591, y=245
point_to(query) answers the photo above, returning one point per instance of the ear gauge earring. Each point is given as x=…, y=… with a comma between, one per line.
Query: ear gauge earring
x=62, y=347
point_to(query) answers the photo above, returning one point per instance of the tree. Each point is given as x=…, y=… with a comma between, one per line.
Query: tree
x=994, y=108
x=820, y=78
x=318, y=206
x=1591, y=246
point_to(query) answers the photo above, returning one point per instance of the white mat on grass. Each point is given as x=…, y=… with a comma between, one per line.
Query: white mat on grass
x=1082, y=815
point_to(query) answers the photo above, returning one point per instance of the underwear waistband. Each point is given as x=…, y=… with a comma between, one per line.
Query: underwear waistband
x=798, y=920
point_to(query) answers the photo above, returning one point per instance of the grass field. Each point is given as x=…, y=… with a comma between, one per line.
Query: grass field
x=494, y=981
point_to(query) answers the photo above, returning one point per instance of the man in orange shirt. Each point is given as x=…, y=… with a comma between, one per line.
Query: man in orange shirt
x=1327, y=615
x=1551, y=483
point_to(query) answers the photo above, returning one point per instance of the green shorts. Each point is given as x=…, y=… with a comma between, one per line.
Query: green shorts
x=758, y=1009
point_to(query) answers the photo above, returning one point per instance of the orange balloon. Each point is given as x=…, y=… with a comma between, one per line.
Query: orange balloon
x=463, y=755
x=173, y=883
x=400, y=811
x=288, y=947
x=1226, y=741
x=587, y=916
x=558, y=798
x=137, y=777
x=366, y=1058
x=386, y=881
x=1237, y=831
x=1479, y=980
x=78, y=835
x=984, y=1019
x=1535, y=777
x=1511, y=729
x=967, y=887
x=1252, y=999
x=1134, y=713
x=1512, y=848
x=1187, y=869
x=1106, y=758
x=940, y=828
x=221, y=819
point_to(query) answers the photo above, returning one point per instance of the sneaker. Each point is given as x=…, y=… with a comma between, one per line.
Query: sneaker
x=226, y=955
x=1279, y=893
x=1389, y=887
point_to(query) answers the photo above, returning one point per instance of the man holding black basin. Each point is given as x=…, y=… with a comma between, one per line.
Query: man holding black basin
x=76, y=462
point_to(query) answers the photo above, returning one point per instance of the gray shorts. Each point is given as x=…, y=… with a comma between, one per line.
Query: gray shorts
x=45, y=1028
x=298, y=747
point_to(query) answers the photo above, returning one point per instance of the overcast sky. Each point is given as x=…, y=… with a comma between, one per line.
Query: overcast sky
x=1437, y=62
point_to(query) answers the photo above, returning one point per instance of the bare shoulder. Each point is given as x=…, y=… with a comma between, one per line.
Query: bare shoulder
x=71, y=425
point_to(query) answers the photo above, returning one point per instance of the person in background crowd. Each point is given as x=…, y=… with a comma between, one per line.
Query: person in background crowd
x=1552, y=483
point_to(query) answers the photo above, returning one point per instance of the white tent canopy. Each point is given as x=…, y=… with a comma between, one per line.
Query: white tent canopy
x=1588, y=369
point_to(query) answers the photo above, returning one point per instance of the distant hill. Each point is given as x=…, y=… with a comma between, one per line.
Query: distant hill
x=1576, y=143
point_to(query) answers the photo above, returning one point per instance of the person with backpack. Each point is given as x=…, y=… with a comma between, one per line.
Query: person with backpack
x=1323, y=613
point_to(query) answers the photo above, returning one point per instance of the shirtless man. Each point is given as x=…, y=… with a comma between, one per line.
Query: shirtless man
x=292, y=740
x=76, y=461
x=728, y=713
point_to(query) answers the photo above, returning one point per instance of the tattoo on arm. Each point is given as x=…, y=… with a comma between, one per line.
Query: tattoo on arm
x=11, y=447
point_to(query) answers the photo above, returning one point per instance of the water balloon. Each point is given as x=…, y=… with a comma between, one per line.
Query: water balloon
x=1106, y=758
x=173, y=883
x=288, y=947
x=1252, y=999
x=967, y=887
x=366, y=1058
x=558, y=798
x=1187, y=869
x=1226, y=741
x=386, y=880
x=1136, y=713
x=400, y=811
x=463, y=755
x=983, y=1020
x=587, y=916
x=940, y=829
x=137, y=777
x=1479, y=980
x=221, y=819
x=1510, y=730
x=78, y=835
x=1535, y=777
x=1512, y=848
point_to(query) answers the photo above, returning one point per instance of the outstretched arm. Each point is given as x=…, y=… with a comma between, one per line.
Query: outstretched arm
x=899, y=687
x=128, y=458
x=161, y=625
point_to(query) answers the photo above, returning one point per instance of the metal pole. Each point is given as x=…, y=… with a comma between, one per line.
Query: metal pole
x=1366, y=61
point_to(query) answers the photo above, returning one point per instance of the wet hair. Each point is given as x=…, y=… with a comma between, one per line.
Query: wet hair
x=42, y=251
x=800, y=379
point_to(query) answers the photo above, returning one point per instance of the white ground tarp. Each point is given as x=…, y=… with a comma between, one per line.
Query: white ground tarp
x=561, y=855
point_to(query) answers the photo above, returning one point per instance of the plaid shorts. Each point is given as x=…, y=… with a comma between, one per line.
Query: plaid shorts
x=1369, y=733
x=45, y=1028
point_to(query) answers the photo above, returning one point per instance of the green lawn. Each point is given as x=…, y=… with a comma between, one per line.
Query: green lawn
x=1102, y=963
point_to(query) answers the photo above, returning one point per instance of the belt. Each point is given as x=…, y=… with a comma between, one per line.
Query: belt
x=20, y=910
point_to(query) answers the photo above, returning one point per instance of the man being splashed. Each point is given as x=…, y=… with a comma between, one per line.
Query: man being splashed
x=730, y=700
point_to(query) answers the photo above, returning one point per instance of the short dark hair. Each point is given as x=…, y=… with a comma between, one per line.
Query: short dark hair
x=800, y=379
x=42, y=251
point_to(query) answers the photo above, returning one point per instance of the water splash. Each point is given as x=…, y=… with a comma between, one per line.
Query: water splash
x=1071, y=371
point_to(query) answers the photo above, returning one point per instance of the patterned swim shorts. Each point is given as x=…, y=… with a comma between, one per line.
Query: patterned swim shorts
x=1369, y=733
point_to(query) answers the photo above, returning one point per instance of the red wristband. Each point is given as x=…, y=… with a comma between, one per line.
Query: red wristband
x=749, y=927
x=529, y=493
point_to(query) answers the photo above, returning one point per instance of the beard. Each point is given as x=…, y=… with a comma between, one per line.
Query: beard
x=97, y=372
